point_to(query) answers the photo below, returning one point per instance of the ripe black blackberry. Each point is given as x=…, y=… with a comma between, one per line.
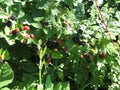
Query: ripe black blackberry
x=80, y=31
x=9, y=23
x=52, y=45
x=13, y=17
x=78, y=39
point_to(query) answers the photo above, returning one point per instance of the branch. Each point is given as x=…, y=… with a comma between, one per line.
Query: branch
x=103, y=20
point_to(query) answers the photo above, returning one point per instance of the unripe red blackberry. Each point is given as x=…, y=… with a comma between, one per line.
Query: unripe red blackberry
x=16, y=30
x=32, y=36
x=27, y=28
x=59, y=41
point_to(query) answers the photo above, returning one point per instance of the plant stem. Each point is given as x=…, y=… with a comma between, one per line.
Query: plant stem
x=40, y=72
x=103, y=20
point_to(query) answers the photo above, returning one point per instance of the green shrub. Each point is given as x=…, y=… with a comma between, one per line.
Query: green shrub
x=59, y=45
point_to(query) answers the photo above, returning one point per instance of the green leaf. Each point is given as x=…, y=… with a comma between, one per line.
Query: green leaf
x=54, y=12
x=56, y=55
x=7, y=30
x=1, y=51
x=98, y=35
x=117, y=1
x=6, y=74
x=10, y=42
x=36, y=25
x=5, y=88
x=49, y=84
x=102, y=43
x=1, y=0
x=37, y=42
x=80, y=11
x=19, y=50
x=40, y=87
x=5, y=55
x=58, y=86
x=9, y=2
x=21, y=14
x=38, y=18
x=60, y=74
x=1, y=35
x=41, y=4
x=50, y=31
x=28, y=66
x=111, y=49
x=29, y=41
x=69, y=44
x=37, y=15
x=48, y=80
x=45, y=31
x=3, y=15
x=62, y=86
x=79, y=77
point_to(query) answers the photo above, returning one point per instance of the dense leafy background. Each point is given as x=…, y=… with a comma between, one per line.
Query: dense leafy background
x=70, y=50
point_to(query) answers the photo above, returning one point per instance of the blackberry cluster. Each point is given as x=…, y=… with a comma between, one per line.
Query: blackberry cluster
x=14, y=33
x=10, y=19
x=78, y=38
x=52, y=44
